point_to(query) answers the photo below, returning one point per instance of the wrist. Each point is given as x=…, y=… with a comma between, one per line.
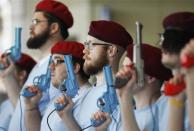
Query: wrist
x=31, y=109
x=67, y=117
x=126, y=96
x=30, y=106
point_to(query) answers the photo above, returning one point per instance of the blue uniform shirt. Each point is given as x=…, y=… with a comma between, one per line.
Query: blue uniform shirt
x=17, y=120
x=55, y=122
x=6, y=110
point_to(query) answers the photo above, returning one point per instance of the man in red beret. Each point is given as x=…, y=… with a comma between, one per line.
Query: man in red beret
x=179, y=29
x=105, y=44
x=148, y=99
x=58, y=75
x=179, y=20
x=50, y=23
x=174, y=40
x=15, y=74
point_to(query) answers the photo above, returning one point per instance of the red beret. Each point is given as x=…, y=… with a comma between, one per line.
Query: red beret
x=182, y=20
x=26, y=62
x=152, y=62
x=110, y=32
x=68, y=47
x=57, y=9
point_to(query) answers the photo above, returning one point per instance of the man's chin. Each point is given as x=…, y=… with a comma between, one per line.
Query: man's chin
x=55, y=84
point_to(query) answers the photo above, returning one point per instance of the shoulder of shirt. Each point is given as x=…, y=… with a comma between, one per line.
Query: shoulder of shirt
x=6, y=104
x=43, y=61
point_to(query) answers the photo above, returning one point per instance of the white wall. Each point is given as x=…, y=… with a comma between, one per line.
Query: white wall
x=149, y=12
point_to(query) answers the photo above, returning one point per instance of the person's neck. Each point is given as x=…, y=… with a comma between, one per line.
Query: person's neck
x=100, y=78
x=145, y=98
x=176, y=71
x=81, y=81
x=46, y=48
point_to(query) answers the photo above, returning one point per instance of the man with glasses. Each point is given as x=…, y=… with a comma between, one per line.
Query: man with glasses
x=105, y=44
x=58, y=75
x=50, y=23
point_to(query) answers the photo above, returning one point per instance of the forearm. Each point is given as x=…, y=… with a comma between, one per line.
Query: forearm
x=176, y=114
x=190, y=97
x=13, y=89
x=127, y=115
x=71, y=123
x=32, y=119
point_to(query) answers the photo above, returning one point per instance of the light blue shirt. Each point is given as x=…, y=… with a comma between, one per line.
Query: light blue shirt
x=151, y=118
x=6, y=110
x=89, y=106
x=164, y=115
x=17, y=120
x=148, y=117
x=55, y=122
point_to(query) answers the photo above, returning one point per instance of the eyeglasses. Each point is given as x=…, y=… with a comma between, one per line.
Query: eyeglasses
x=57, y=61
x=161, y=39
x=89, y=45
x=36, y=21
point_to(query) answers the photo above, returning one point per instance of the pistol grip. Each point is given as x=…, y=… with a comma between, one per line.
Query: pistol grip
x=120, y=82
x=26, y=93
x=96, y=123
x=59, y=106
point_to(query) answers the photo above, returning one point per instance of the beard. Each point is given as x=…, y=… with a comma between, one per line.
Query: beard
x=39, y=40
x=96, y=66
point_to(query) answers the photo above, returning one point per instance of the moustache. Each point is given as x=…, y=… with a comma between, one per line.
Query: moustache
x=85, y=57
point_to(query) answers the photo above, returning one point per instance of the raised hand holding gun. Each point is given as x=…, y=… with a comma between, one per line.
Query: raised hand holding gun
x=137, y=61
x=14, y=52
x=70, y=85
x=41, y=82
x=108, y=102
x=100, y=116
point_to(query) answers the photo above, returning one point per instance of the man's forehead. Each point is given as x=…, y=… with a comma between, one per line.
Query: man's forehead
x=57, y=56
x=38, y=14
x=94, y=40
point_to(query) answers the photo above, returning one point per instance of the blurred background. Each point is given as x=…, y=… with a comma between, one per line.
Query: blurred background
x=149, y=12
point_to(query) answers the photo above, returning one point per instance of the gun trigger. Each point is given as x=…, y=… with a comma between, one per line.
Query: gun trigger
x=101, y=102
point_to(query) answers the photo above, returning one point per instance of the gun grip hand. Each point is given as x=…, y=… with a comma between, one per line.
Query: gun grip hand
x=4, y=61
x=60, y=104
x=120, y=82
x=96, y=123
x=29, y=92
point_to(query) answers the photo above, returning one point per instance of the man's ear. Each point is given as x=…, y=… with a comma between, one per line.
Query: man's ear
x=112, y=50
x=54, y=28
x=22, y=75
x=150, y=79
x=76, y=68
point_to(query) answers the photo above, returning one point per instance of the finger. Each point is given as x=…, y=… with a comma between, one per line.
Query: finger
x=10, y=60
x=101, y=115
x=108, y=118
x=69, y=100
